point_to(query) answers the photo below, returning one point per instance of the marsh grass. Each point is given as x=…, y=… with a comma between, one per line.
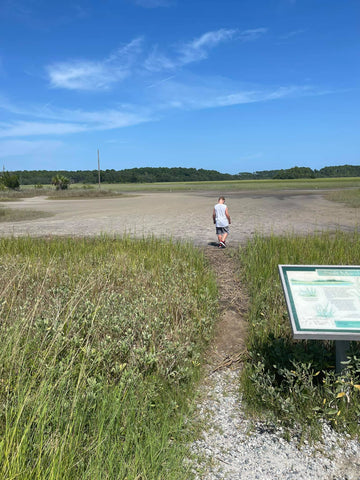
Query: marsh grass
x=350, y=197
x=15, y=215
x=288, y=381
x=81, y=192
x=241, y=185
x=224, y=186
x=100, y=340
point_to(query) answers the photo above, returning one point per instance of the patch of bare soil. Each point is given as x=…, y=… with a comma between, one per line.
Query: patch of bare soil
x=228, y=346
x=184, y=216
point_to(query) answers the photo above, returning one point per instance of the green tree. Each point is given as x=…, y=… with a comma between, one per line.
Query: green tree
x=61, y=182
x=9, y=180
x=295, y=172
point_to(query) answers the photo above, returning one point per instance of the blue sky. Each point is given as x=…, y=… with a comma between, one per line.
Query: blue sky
x=230, y=85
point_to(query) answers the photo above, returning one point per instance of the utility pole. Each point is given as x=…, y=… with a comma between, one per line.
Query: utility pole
x=99, y=168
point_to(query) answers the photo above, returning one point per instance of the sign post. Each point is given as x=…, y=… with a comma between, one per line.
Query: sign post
x=323, y=304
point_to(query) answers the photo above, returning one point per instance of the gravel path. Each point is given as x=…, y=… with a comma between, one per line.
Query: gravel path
x=234, y=447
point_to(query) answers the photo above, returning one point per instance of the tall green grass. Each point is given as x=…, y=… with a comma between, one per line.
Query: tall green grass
x=288, y=381
x=351, y=197
x=99, y=342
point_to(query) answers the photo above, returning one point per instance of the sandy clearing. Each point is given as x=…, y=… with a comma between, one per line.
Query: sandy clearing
x=185, y=215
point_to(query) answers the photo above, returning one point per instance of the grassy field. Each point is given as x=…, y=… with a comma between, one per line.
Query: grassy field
x=245, y=185
x=349, y=197
x=100, y=340
x=288, y=381
x=224, y=186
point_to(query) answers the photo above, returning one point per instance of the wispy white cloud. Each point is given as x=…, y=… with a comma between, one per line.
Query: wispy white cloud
x=15, y=148
x=160, y=81
x=195, y=93
x=198, y=49
x=252, y=34
x=158, y=62
x=133, y=60
x=8, y=106
x=189, y=52
x=95, y=75
x=57, y=122
x=31, y=128
x=263, y=95
x=84, y=75
x=112, y=118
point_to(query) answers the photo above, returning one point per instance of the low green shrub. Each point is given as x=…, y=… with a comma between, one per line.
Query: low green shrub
x=287, y=380
x=99, y=343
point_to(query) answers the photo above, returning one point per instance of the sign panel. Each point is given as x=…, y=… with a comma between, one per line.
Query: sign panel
x=323, y=301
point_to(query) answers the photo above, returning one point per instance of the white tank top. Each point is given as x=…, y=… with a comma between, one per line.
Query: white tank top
x=221, y=218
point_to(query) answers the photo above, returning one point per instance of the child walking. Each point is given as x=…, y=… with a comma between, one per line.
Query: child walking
x=221, y=218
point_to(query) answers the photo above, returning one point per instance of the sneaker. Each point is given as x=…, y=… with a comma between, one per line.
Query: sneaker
x=222, y=245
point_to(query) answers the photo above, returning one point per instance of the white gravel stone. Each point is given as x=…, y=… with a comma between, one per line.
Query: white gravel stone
x=233, y=449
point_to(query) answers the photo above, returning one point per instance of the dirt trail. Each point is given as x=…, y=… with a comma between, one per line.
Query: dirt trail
x=231, y=446
x=228, y=346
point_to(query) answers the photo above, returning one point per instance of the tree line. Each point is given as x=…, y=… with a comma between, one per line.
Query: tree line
x=132, y=175
x=175, y=174
x=303, y=172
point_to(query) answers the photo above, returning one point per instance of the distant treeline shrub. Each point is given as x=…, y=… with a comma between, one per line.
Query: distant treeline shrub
x=178, y=174
x=133, y=175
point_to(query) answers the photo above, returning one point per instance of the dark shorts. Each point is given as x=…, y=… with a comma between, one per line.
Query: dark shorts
x=221, y=230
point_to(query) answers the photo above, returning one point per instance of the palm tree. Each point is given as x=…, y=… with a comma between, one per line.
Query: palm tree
x=60, y=182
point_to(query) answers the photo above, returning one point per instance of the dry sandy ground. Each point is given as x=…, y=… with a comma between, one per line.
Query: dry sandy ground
x=185, y=215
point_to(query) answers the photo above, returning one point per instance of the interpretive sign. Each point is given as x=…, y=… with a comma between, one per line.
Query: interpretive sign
x=323, y=301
